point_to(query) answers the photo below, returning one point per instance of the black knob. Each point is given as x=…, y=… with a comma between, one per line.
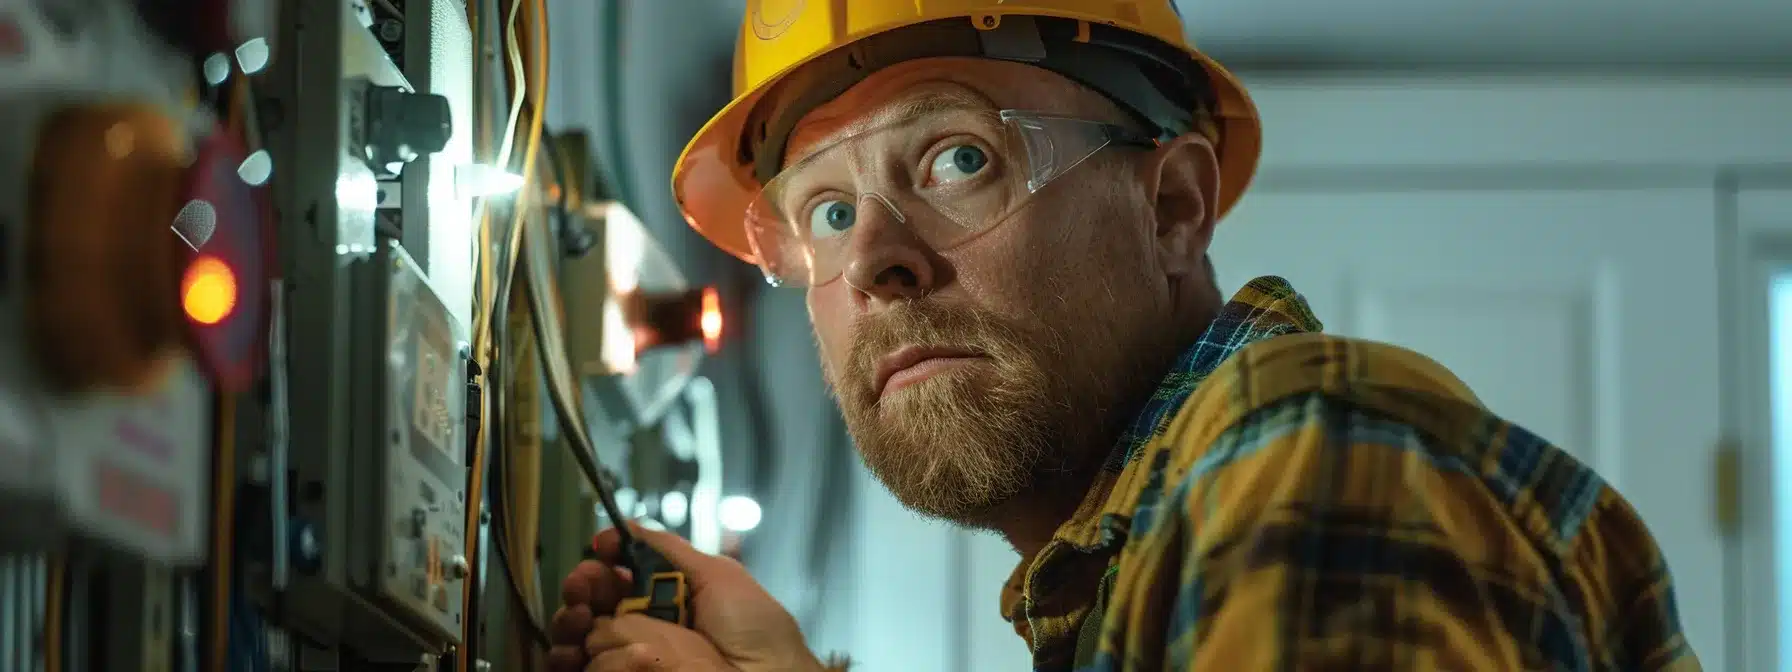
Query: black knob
x=401, y=126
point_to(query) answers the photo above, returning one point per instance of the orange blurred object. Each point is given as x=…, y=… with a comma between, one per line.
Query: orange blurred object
x=101, y=265
x=208, y=292
x=711, y=321
x=661, y=319
x=224, y=291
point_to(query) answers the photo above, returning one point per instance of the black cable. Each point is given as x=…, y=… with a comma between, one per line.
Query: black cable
x=501, y=540
x=495, y=474
x=578, y=440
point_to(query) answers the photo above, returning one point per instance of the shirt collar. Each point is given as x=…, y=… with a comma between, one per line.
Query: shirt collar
x=1265, y=308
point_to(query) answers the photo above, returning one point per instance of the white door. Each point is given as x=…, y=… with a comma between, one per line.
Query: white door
x=1589, y=317
x=1760, y=268
x=1597, y=327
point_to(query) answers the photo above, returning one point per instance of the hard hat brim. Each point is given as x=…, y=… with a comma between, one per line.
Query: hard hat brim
x=713, y=187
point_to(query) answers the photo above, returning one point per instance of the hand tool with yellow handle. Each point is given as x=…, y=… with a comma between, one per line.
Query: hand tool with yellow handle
x=660, y=589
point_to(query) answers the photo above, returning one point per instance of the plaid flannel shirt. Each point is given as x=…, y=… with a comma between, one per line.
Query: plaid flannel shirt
x=1290, y=500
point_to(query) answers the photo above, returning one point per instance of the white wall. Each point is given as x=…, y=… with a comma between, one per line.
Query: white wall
x=1355, y=133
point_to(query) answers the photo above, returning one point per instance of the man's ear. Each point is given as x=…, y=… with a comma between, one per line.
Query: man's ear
x=1181, y=180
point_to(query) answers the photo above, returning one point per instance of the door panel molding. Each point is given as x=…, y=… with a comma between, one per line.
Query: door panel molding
x=1356, y=123
x=1758, y=243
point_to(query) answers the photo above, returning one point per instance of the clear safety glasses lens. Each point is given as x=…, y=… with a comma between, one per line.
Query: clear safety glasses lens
x=946, y=176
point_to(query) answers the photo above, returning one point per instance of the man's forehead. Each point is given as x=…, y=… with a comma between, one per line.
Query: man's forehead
x=861, y=110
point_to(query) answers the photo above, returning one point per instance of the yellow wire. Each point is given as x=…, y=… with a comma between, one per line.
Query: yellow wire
x=481, y=126
x=534, y=87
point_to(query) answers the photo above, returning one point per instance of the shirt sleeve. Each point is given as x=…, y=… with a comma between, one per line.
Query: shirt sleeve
x=1316, y=533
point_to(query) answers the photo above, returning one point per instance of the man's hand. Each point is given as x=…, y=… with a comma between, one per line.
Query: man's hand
x=735, y=623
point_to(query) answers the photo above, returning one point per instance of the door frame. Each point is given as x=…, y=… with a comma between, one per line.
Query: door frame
x=1759, y=245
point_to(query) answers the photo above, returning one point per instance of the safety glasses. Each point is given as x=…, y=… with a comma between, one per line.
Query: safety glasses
x=945, y=174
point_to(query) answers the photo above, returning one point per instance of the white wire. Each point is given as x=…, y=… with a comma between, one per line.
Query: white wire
x=506, y=142
x=515, y=56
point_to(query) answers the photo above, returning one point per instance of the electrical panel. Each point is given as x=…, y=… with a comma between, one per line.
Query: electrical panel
x=379, y=260
x=239, y=259
x=416, y=353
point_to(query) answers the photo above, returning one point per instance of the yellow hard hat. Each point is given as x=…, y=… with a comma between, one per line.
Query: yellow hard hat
x=795, y=55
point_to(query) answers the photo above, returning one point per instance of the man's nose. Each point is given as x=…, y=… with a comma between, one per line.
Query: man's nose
x=886, y=261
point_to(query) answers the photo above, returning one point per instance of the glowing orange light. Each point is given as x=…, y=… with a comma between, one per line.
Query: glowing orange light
x=644, y=338
x=711, y=321
x=208, y=292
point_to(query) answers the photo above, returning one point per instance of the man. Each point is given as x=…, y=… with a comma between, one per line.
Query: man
x=1002, y=216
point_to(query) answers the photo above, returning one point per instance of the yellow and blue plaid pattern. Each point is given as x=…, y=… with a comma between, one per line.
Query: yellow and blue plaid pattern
x=1295, y=501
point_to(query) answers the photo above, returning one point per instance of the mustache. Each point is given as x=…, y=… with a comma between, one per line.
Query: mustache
x=922, y=324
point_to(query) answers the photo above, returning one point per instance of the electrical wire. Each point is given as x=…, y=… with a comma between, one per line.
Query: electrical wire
x=514, y=56
x=538, y=635
x=501, y=525
x=501, y=521
x=55, y=596
x=535, y=87
x=532, y=86
x=223, y=523
x=578, y=439
x=470, y=590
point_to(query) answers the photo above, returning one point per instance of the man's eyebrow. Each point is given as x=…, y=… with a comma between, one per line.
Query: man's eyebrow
x=931, y=103
x=892, y=114
x=910, y=109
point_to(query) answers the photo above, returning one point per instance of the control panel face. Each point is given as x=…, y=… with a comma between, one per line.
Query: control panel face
x=426, y=436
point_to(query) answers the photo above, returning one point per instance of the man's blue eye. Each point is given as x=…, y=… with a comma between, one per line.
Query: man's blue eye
x=957, y=163
x=831, y=218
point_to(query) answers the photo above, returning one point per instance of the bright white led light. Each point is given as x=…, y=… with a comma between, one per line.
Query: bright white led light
x=674, y=506
x=477, y=180
x=216, y=69
x=252, y=56
x=358, y=191
x=738, y=513
x=256, y=169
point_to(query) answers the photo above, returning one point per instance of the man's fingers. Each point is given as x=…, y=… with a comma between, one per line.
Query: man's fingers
x=570, y=625
x=608, y=634
x=631, y=658
x=605, y=636
x=697, y=564
x=677, y=551
x=608, y=544
x=596, y=584
x=576, y=589
x=567, y=658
